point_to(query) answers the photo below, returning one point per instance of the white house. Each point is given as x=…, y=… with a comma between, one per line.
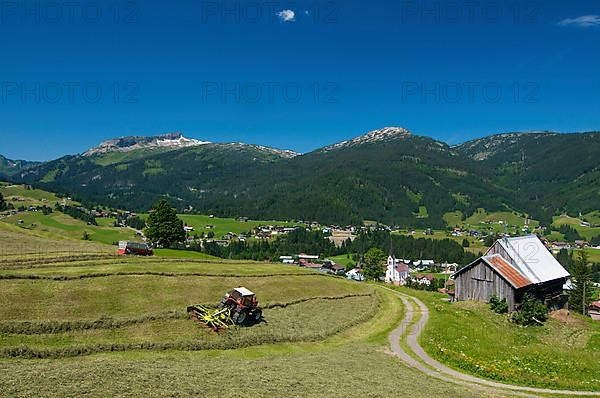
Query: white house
x=449, y=268
x=397, y=272
x=355, y=275
x=424, y=279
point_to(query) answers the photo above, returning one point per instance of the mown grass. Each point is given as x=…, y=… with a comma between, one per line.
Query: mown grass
x=311, y=320
x=470, y=337
x=141, y=294
x=119, y=264
x=352, y=370
x=352, y=361
x=182, y=254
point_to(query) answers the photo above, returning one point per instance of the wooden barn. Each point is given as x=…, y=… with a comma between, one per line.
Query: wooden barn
x=511, y=268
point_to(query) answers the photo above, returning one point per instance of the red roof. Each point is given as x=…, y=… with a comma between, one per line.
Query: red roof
x=507, y=271
x=402, y=268
x=595, y=304
x=312, y=265
x=428, y=276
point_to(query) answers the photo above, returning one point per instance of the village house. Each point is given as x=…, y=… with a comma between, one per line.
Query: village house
x=449, y=269
x=337, y=269
x=287, y=259
x=304, y=256
x=426, y=280
x=396, y=272
x=355, y=275
x=511, y=268
x=309, y=264
x=581, y=244
x=594, y=310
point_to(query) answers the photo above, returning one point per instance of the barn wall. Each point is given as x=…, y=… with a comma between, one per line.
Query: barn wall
x=481, y=282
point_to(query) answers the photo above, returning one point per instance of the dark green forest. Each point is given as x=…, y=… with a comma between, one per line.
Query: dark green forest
x=541, y=174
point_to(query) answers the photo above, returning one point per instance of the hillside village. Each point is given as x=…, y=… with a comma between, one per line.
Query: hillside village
x=312, y=199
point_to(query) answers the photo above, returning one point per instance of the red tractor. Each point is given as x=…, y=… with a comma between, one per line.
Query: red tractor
x=242, y=305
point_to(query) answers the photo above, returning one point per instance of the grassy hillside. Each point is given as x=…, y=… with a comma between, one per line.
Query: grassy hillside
x=83, y=309
x=586, y=232
x=19, y=243
x=59, y=224
x=564, y=353
x=221, y=226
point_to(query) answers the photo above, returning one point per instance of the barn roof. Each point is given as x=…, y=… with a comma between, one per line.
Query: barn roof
x=507, y=271
x=531, y=258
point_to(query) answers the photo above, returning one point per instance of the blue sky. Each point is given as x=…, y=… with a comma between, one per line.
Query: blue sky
x=295, y=75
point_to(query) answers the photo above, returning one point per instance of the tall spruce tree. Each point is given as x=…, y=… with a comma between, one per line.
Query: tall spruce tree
x=581, y=276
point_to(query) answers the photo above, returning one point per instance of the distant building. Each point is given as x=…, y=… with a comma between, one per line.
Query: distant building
x=426, y=280
x=355, y=274
x=303, y=256
x=449, y=269
x=286, y=259
x=396, y=272
x=511, y=268
x=594, y=310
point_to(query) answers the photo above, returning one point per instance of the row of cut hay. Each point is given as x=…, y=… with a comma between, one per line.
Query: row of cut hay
x=53, y=327
x=231, y=339
x=71, y=260
x=152, y=273
x=33, y=262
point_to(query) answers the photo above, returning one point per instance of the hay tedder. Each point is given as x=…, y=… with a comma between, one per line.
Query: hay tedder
x=238, y=307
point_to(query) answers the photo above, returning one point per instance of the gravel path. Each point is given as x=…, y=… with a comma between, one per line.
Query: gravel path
x=434, y=368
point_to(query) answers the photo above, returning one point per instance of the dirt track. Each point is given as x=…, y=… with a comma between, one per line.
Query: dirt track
x=433, y=368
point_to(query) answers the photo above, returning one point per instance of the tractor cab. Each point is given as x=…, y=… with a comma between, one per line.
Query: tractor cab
x=243, y=297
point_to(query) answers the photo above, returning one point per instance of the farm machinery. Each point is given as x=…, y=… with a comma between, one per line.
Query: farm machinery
x=238, y=307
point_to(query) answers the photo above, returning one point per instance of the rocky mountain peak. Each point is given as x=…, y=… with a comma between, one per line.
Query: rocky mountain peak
x=174, y=140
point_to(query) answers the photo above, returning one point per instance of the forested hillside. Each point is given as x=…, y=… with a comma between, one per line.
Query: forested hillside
x=387, y=175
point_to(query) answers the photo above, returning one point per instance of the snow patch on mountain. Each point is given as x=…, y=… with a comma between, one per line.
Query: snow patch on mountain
x=381, y=135
x=282, y=153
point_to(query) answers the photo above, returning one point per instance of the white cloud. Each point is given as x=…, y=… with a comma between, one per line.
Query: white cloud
x=287, y=15
x=585, y=21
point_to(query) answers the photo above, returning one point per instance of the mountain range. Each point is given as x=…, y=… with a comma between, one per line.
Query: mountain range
x=388, y=175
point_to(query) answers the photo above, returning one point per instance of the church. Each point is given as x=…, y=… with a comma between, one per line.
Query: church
x=396, y=272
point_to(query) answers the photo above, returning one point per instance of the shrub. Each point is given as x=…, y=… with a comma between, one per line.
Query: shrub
x=532, y=312
x=498, y=306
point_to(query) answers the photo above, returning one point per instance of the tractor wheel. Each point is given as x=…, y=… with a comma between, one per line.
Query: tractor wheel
x=239, y=317
x=257, y=315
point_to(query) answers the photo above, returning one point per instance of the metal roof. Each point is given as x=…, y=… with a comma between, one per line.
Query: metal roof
x=243, y=291
x=531, y=258
x=507, y=271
